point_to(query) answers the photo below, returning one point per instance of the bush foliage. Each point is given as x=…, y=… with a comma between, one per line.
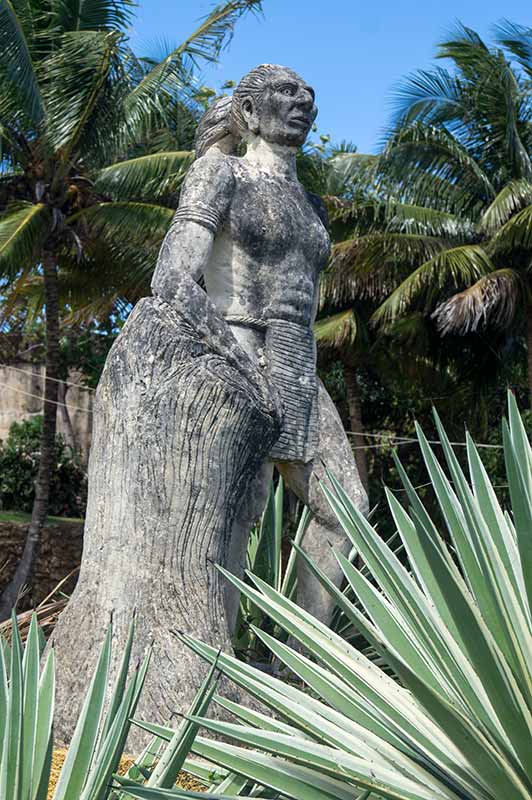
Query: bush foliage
x=19, y=462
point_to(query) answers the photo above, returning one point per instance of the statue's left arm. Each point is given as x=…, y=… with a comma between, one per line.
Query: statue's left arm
x=321, y=210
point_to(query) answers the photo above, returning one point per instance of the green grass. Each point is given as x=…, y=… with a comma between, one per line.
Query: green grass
x=21, y=516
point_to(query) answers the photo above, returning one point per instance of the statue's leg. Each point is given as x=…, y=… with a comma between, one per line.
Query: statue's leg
x=251, y=507
x=336, y=455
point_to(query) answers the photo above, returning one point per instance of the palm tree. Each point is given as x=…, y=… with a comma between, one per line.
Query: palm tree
x=75, y=100
x=462, y=149
x=375, y=238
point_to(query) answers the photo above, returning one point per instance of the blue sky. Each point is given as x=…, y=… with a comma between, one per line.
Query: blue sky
x=352, y=53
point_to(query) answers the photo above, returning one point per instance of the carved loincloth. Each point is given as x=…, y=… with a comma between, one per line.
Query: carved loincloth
x=290, y=355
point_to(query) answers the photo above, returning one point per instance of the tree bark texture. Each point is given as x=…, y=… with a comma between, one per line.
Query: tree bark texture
x=355, y=419
x=178, y=437
x=42, y=487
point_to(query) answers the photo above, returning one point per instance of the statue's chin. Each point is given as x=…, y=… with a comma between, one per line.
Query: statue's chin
x=287, y=139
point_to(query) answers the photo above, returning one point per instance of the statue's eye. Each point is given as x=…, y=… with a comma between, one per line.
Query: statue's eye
x=289, y=91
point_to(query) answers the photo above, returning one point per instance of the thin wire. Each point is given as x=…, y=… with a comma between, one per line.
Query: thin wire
x=45, y=377
x=393, y=440
x=42, y=399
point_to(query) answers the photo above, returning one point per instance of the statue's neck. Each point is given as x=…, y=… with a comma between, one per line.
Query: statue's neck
x=274, y=159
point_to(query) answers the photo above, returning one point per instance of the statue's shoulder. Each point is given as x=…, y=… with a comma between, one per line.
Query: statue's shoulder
x=214, y=170
x=209, y=182
x=320, y=208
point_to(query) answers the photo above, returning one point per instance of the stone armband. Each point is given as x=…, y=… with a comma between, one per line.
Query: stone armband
x=200, y=213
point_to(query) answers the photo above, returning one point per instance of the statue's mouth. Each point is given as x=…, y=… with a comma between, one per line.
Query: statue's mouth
x=301, y=120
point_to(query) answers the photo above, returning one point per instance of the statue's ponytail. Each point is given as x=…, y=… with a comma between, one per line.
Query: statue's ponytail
x=215, y=127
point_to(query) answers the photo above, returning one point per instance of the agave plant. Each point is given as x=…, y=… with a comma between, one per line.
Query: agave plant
x=453, y=720
x=26, y=717
x=264, y=559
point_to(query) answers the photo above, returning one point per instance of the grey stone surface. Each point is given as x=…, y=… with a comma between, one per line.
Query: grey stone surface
x=203, y=391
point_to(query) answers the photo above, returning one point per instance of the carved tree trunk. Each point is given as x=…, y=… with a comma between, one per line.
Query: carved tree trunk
x=178, y=436
x=42, y=487
x=355, y=420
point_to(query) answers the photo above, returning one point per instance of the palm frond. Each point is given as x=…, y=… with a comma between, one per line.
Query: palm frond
x=338, y=331
x=350, y=170
x=516, y=233
x=172, y=74
x=495, y=298
x=91, y=15
x=440, y=156
x=425, y=221
x=466, y=49
x=454, y=267
x=17, y=68
x=512, y=197
x=518, y=40
x=148, y=176
x=23, y=230
x=76, y=75
x=371, y=252
x=129, y=221
x=433, y=97
x=371, y=266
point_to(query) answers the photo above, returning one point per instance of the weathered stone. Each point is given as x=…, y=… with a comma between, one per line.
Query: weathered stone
x=201, y=393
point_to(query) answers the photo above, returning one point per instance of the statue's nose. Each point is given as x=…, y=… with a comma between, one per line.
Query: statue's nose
x=305, y=100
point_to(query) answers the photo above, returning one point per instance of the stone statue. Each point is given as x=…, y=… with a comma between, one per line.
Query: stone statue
x=211, y=383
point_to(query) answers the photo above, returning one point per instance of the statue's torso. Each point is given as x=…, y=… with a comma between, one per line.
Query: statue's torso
x=265, y=266
x=267, y=258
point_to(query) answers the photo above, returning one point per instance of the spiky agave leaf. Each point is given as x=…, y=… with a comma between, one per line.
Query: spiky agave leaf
x=455, y=624
x=495, y=298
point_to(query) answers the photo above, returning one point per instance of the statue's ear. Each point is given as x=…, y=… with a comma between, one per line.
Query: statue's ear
x=250, y=113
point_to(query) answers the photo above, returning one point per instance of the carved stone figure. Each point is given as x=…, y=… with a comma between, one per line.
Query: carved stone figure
x=212, y=382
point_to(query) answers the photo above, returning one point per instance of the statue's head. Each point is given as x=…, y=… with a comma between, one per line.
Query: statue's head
x=271, y=102
x=275, y=103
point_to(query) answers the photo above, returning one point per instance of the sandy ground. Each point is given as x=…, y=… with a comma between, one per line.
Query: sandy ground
x=185, y=781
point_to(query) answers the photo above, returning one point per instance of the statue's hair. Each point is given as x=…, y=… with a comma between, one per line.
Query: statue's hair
x=224, y=117
x=214, y=125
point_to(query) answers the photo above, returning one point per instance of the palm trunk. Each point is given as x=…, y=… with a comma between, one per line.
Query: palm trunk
x=355, y=419
x=69, y=433
x=529, y=347
x=42, y=486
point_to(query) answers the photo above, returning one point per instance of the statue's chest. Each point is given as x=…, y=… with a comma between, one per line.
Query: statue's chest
x=273, y=219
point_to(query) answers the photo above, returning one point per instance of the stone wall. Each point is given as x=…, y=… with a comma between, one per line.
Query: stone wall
x=60, y=553
x=21, y=391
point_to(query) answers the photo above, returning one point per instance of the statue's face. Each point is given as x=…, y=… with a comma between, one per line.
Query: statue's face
x=286, y=110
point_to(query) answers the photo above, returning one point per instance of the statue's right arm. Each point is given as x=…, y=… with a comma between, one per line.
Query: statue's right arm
x=203, y=204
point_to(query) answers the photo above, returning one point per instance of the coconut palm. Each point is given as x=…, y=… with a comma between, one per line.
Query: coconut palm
x=462, y=150
x=75, y=100
x=376, y=236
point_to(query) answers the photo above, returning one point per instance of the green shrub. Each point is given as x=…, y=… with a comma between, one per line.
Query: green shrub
x=19, y=463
